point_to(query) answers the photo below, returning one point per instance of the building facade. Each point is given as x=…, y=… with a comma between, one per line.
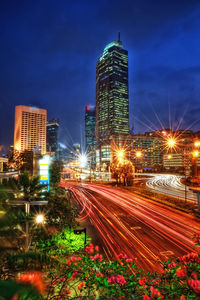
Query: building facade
x=112, y=97
x=52, y=136
x=90, y=122
x=30, y=129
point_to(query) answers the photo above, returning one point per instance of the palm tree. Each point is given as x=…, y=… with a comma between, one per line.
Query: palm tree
x=26, y=188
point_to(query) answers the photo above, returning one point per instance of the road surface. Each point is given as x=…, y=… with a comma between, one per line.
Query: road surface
x=128, y=223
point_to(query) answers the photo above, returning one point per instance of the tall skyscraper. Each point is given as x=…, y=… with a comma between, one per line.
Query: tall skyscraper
x=112, y=100
x=52, y=135
x=30, y=129
x=90, y=121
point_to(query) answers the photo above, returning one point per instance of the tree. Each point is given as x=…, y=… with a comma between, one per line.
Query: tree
x=60, y=211
x=123, y=172
x=26, y=188
x=55, y=173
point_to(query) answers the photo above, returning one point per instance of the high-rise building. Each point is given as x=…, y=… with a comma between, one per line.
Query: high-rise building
x=90, y=120
x=30, y=129
x=112, y=102
x=112, y=98
x=52, y=135
x=90, y=140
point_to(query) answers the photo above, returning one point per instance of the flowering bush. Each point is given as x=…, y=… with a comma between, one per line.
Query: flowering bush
x=88, y=276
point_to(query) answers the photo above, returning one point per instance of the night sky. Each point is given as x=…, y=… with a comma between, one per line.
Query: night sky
x=49, y=51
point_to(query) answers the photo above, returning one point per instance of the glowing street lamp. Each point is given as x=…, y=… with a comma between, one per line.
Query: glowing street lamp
x=197, y=143
x=83, y=160
x=195, y=153
x=171, y=142
x=138, y=154
x=120, y=154
x=39, y=219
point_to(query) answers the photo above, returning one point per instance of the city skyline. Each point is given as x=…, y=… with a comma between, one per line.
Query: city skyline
x=54, y=67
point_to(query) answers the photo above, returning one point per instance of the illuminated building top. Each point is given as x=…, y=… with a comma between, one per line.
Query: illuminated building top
x=30, y=129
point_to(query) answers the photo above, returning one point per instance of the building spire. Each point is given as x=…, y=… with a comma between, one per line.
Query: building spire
x=119, y=36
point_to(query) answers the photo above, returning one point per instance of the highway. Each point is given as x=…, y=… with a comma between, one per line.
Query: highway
x=128, y=223
x=171, y=185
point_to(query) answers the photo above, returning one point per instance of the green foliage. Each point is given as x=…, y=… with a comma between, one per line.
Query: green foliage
x=27, y=261
x=26, y=188
x=55, y=173
x=60, y=211
x=11, y=288
x=61, y=244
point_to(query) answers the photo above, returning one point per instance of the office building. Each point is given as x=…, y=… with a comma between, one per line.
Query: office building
x=52, y=136
x=112, y=99
x=90, y=120
x=30, y=129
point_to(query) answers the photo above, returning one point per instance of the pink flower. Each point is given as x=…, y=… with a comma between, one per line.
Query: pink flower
x=78, y=258
x=129, y=260
x=181, y=273
x=81, y=285
x=122, y=256
x=146, y=297
x=73, y=258
x=111, y=279
x=171, y=265
x=74, y=274
x=121, y=280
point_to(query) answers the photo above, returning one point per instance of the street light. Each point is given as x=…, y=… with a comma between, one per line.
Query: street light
x=171, y=142
x=83, y=160
x=197, y=143
x=195, y=153
x=138, y=154
x=39, y=219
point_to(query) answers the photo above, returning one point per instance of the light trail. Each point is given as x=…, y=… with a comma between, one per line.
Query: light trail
x=130, y=224
x=171, y=185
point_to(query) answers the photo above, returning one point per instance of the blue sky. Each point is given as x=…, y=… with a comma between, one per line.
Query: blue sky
x=49, y=51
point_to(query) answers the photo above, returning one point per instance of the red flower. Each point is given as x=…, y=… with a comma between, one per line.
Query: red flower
x=155, y=292
x=197, y=237
x=74, y=274
x=34, y=278
x=182, y=297
x=195, y=284
x=99, y=274
x=189, y=257
x=89, y=249
x=111, y=279
x=142, y=281
x=146, y=297
x=181, y=273
x=62, y=279
x=96, y=248
x=81, y=285
x=68, y=262
x=121, y=280
x=15, y=297
x=67, y=292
